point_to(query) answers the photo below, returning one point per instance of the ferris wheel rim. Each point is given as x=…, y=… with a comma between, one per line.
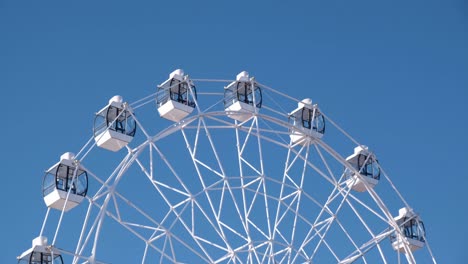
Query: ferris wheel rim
x=184, y=124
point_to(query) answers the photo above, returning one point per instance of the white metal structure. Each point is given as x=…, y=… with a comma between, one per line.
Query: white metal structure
x=216, y=188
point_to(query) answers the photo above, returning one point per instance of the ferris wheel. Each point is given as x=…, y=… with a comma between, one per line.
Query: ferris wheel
x=223, y=171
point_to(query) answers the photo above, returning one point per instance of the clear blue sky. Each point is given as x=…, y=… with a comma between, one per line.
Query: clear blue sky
x=402, y=66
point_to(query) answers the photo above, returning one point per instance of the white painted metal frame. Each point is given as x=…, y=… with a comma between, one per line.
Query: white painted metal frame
x=247, y=215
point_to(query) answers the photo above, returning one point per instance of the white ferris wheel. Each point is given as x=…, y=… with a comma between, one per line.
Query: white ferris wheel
x=233, y=171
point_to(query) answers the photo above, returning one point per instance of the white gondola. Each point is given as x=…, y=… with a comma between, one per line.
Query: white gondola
x=242, y=97
x=411, y=233
x=66, y=179
x=114, y=125
x=40, y=253
x=176, y=96
x=307, y=122
x=367, y=165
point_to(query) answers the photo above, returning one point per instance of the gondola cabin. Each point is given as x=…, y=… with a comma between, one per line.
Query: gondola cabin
x=40, y=253
x=242, y=97
x=114, y=125
x=176, y=97
x=411, y=234
x=307, y=123
x=367, y=166
x=65, y=184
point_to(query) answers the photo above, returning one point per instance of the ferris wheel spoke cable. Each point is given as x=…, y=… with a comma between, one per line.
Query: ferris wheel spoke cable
x=361, y=219
x=224, y=175
x=348, y=236
x=212, y=80
x=101, y=214
x=143, y=101
x=212, y=207
x=324, y=161
x=341, y=130
x=137, y=234
x=204, y=187
x=333, y=218
x=119, y=220
x=44, y=222
x=283, y=112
